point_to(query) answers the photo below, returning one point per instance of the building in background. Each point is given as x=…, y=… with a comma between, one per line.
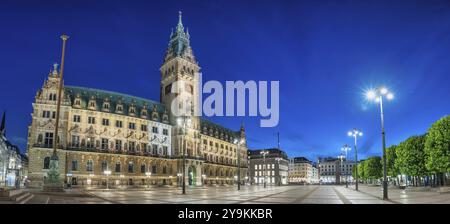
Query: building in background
x=138, y=141
x=271, y=167
x=333, y=171
x=302, y=171
x=13, y=164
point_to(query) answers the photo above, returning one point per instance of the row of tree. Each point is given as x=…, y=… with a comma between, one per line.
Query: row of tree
x=424, y=160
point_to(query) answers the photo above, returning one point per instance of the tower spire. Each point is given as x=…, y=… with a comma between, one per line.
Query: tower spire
x=180, y=27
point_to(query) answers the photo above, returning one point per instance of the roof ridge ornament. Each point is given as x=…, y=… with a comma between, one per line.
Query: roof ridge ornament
x=55, y=69
x=180, y=27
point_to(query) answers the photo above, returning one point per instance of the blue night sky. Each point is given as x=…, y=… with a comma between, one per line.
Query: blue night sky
x=324, y=53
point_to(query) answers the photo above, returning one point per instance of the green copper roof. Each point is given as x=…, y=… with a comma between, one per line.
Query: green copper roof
x=101, y=95
x=209, y=125
x=179, y=44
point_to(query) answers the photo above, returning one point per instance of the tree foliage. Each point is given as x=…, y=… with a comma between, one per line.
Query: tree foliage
x=437, y=146
x=411, y=156
x=373, y=168
x=391, y=156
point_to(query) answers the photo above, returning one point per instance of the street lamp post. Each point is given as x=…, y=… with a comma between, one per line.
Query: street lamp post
x=355, y=133
x=148, y=174
x=203, y=179
x=345, y=149
x=279, y=174
x=377, y=96
x=179, y=178
x=238, y=142
x=264, y=153
x=183, y=121
x=107, y=173
x=341, y=157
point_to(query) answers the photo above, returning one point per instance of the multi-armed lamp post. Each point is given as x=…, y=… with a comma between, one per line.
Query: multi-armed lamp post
x=238, y=142
x=345, y=149
x=355, y=133
x=377, y=96
x=184, y=121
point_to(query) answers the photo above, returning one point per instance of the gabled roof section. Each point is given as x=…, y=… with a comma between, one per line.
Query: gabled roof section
x=114, y=98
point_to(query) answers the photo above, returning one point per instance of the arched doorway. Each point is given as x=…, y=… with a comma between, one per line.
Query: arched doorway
x=192, y=176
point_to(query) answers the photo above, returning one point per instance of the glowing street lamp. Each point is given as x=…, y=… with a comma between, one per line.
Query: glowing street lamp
x=148, y=175
x=107, y=173
x=341, y=157
x=355, y=133
x=184, y=121
x=377, y=96
x=345, y=149
x=238, y=142
x=264, y=153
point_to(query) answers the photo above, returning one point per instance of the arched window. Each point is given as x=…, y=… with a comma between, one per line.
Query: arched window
x=89, y=165
x=143, y=168
x=47, y=162
x=164, y=169
x=104, y=166
x=130, y=167
x=117, y=170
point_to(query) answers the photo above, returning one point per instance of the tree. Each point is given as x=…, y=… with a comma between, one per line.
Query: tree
x=391, y=156
x=361, y=173
x=373, y=168
x=411, y=157
x=437, y=148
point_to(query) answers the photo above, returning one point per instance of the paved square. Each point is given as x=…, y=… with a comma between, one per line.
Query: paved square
x=312, y=194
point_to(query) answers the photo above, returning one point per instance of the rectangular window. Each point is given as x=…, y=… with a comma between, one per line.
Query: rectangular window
x=154, y=169
x=104, y=143
x=155, y=130
x=155, y=149
x=48, y=141
x=53, y=114
x=105, y=122
x=74, y=165
x=166, y=132
x=90, y=142
x=89, y=165
x=131, y=146
x=91, y=120
x=117, y=169
x=118, y=124
x=205, y=142
x=131, y=126
x=76, y=118
x=143, y=127
x=143, y=168
x=118, y=145
x=75, y=141
x=144, y=147
x=165, y=150
x=256, y=167
x=46, y=114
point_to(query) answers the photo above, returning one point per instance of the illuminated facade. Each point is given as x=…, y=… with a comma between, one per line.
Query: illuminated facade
x=137, y=141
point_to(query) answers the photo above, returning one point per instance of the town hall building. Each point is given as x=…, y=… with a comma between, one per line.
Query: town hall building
x=121, y=140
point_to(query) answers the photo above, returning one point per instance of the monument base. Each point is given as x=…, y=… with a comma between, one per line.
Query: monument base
x=53, y=187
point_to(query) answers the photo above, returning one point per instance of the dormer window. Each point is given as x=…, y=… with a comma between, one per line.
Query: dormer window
x=132, y=110
x=119, y=107
x=144, y=113
x=106, y=104
x=78, y=102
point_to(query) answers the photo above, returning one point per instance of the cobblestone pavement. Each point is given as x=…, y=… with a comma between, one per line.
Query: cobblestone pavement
x=311, y=194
